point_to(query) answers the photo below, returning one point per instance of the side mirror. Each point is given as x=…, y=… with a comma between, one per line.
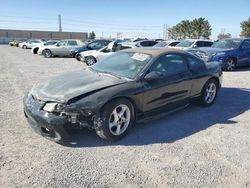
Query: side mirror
x=154, y=75
x=195, y=46
x=57, y=44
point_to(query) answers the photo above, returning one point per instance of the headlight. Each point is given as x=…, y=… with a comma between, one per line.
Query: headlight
x=53, y=107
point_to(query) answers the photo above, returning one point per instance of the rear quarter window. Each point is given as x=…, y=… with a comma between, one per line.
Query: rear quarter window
x=196, y=64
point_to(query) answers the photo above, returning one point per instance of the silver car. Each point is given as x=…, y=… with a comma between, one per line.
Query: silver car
x=62, y=48
x=31, y=43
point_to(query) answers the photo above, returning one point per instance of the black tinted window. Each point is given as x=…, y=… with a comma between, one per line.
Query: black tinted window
x=152, y=43
x=173, y=43
x=200, y=44
x=170, y=64
x=208, y=44
x=105, y=43
x=72, y=43
x=145, y=43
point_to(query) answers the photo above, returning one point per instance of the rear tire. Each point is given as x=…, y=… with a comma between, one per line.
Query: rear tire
x=24, y=47
x=47, y=53
x=117, y=117
x=90, y=60
x=230, y=65
x=209, y=92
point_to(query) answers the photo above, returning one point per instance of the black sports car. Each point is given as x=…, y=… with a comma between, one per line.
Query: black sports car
x=133, y=84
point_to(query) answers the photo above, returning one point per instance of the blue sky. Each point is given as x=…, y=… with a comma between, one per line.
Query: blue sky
x=132, y=18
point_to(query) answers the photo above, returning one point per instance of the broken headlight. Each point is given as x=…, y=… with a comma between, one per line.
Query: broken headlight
x=53, y=107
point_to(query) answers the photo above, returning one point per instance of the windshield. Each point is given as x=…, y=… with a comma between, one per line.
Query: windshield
x=185, y=43
x=124, y=64
x=161, y=44
x=227, y=44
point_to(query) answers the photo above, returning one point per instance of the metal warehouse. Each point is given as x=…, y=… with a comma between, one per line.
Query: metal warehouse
x=7, y=34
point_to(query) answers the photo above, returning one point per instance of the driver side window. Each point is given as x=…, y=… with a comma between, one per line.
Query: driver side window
x=95, y=45
x=62, y=43
x=170, y=64
x=246, y=45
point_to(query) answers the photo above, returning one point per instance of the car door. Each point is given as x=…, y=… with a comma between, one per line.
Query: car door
x=104, y=53
x=244, y=52
x=34, y=43
x=70, y=46
x=60, y=48
x=172, y=90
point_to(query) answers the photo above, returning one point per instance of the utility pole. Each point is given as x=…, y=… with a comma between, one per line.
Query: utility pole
x=223, y=30
x=165, y=32
x=60, y=22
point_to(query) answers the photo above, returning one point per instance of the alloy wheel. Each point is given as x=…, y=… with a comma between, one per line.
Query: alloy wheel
x=230, y=66
x=210, y=93
x=90, y=61
x=119, y=119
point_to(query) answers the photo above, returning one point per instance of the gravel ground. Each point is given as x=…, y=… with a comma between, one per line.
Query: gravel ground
x=195, y=147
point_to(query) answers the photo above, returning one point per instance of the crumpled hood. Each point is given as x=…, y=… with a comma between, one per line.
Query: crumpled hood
x=211, y=51
x=67, y=86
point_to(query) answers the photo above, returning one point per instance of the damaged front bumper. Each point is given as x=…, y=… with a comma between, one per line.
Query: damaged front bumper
x=52, y=126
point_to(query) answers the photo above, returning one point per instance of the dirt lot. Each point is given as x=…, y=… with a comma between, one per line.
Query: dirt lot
x=195, y=147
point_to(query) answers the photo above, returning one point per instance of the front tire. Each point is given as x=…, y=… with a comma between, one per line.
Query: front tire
x=78, y=57
x=35, y=50
x=209, y=92
x=90, y=60
x=117, y=117
x=230, y=65
x=24, y=47
x=47, y=53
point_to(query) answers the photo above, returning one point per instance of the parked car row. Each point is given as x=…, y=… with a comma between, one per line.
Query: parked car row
x=229, y=52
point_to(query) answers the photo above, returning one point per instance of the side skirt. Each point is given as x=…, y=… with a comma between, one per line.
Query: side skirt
x=160, y=115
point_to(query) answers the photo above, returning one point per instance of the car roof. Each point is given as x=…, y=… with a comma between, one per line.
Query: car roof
x=154, y=51
x=198, y=40
x=233, y=39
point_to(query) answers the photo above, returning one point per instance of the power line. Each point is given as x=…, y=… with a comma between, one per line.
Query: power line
x=31, y=18
x=82, y=21
x=114, y=24
x=14, y=21
x=83, y=25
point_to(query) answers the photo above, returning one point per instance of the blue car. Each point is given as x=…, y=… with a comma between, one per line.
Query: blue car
x=94, y=45
x=229, y=52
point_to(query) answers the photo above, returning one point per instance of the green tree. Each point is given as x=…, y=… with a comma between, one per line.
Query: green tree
x=92, y=35
x=185, y=29
x=224, y=36
x=197, y=28
x=201, y=28
x=174, y=33
x=245, y=27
